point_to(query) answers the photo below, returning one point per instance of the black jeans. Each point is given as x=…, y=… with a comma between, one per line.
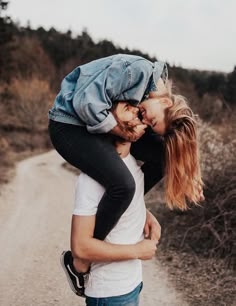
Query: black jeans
x=95, y=155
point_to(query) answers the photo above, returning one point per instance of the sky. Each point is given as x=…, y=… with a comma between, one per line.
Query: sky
x=197, y=34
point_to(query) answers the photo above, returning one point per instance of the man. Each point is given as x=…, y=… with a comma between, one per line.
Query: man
x=116, y=272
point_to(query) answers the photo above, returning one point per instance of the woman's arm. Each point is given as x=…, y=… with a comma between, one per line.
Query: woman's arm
x=133, y=135
x=85, y=247
x=152, y=228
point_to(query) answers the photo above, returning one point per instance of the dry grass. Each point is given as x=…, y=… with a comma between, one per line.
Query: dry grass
x=25, y=105
x=203, y=279
x=217, y=219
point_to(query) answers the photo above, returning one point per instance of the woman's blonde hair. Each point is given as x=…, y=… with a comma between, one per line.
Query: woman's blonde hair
x=182, y=165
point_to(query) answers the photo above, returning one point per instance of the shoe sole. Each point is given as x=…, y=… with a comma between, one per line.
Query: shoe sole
x=67, y=274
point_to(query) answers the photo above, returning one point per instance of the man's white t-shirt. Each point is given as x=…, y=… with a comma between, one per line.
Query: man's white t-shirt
x=114, y=278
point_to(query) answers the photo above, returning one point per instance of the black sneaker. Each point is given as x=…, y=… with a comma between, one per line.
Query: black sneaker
x=76, y=279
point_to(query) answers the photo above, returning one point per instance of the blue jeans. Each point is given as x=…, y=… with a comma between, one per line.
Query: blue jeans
x=129, y=299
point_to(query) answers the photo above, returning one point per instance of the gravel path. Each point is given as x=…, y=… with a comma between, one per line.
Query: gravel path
x=35, y=213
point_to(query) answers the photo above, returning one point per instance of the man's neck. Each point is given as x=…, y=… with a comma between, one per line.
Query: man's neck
x=123, y=148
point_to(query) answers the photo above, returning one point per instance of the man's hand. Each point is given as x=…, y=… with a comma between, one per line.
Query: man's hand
x=152, y=228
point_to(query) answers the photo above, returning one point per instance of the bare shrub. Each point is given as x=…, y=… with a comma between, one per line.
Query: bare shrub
x=3, y=146
x=211, y=229
x=211, y=107
x=26, y=105
x=4, y=150
x=5, y=160
x=219, y=169
x=31, y=59
x=215, y=153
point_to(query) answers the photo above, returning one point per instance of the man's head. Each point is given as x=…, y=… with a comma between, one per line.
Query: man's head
x=125, y=112
x=127, y=119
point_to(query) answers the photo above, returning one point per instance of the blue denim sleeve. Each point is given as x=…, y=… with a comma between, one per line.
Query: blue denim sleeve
x=69, y=82
x=98, y=91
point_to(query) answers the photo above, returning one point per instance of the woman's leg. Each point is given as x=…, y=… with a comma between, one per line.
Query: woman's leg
x=96, y=156
x=149, y=149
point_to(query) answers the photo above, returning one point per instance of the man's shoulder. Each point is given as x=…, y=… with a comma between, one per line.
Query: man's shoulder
x=132, y=163
x=87, y=183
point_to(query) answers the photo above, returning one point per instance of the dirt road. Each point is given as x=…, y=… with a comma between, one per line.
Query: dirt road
x=35, y=212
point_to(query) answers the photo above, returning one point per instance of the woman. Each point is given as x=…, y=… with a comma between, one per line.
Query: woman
x=81, y=116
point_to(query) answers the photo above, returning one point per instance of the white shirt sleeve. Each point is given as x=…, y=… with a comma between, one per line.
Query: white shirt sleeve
x=88, y=194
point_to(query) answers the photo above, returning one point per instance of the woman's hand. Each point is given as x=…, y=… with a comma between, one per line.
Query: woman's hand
x=152, y=228
x=201, y=195
x=199, y=192
x=138, y=132
x=146, y=249
x=130, y=135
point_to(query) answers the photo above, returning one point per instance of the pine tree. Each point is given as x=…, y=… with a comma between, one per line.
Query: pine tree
x=231, y=87
x=5, y=38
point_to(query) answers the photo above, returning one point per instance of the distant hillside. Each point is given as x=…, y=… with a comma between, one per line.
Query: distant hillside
x=33, y=63
x=51, y=55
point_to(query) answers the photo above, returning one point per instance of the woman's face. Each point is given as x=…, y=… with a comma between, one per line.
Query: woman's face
x=126, y=112
x=153, y=113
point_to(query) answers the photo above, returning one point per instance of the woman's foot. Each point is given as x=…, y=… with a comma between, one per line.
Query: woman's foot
x=81, y=265
x=76, y=280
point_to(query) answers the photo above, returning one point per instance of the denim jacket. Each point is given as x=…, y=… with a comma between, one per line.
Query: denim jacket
x=87, y=93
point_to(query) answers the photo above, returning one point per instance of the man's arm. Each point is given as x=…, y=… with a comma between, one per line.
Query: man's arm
x=84, y=246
